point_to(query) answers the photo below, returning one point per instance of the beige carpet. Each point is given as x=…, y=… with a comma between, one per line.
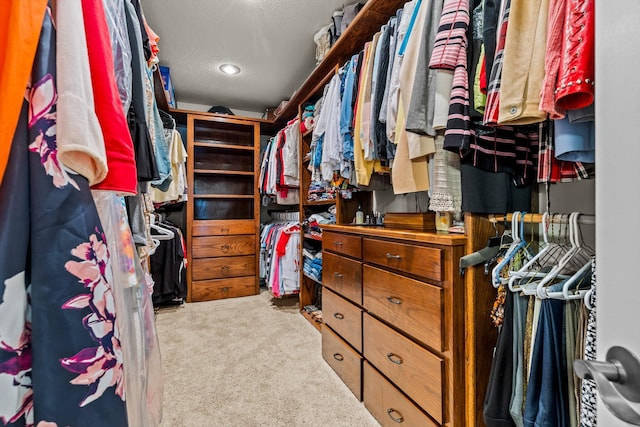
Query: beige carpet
x=252, y=361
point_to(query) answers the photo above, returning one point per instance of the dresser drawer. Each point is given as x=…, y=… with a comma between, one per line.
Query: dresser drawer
x=388, y=405
x=215, y=246
x=205, y=290
x=344, y=360
x=343, y=317
x=410, y=305
x=409, y=366
x=342, y=275
x=222, y=228
x=419, y=260
x=342, y=243
x=219, y=268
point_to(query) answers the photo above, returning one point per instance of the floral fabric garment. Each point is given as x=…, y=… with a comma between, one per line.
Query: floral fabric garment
x=60, y=353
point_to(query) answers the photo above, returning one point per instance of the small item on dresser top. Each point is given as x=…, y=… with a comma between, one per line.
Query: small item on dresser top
x=359, y=215
x=443, y=221
x=422, y=221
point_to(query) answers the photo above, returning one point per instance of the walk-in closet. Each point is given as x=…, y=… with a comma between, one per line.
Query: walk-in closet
x=319, y=213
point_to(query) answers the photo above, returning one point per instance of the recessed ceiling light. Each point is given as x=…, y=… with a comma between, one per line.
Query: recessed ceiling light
x=229, y=69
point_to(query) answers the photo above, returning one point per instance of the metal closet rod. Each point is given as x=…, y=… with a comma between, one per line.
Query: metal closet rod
x=536, y=218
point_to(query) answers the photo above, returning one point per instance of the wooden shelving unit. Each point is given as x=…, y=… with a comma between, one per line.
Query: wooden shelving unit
x=223, y=216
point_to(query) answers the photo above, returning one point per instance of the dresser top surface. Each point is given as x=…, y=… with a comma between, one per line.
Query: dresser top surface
x=440, y=238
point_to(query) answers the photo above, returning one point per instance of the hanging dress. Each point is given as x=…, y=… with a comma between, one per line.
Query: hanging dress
x=67, y=362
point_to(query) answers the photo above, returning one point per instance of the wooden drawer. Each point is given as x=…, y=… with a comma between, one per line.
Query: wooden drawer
x=388, y=405
x=219, y=268
x=342, y=243
x=342, y=275
x=215, y=246
x=410, y=305
x=206, y=290
x=419, y=260
x=343, y=317
x=412, y=368
x=223, y=228
x=344, y=360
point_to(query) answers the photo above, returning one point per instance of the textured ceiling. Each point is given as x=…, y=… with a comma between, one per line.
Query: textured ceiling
x=270, y=40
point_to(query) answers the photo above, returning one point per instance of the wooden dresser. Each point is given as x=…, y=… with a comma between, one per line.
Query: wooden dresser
x=398, y=325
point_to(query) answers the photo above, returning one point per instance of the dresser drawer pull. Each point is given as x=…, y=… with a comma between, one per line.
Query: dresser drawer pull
x=395, y=358
x=225, y=248
x=394, y=300
x=338, y=357
x=392, y=256
x=398, y=419
x=335, y=242
x=225, y=269
x=338, y=316
x=224, y=231
x=337, y=274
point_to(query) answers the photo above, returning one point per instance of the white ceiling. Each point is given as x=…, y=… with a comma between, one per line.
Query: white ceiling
x=270, y=40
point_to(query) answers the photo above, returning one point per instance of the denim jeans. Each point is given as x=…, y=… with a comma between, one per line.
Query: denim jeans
x=547, y=395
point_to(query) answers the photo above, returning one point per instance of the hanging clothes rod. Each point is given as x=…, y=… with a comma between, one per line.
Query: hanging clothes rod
x=536, y=218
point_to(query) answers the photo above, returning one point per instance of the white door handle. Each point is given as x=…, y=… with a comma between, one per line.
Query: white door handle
x=618, y=381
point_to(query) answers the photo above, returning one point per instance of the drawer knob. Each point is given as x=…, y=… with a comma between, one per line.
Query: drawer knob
x=225, y=248
x=335, y=242
x=394, y=300
x=393, y=256
x=395, y=358
x=337, y=274
x=224, y=231
x=338, y=357
x=398, y=418
x=338, y=316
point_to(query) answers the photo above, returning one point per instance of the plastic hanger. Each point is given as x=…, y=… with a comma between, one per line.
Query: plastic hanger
x=547, y=252
x=164, y=233
x=576, y=247
x=517, y=228
x=555, y=254
x=168, y=122
x=587, y=299
x=568, y=290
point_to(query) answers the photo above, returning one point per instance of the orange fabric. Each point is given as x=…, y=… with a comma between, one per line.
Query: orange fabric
x=20, y=25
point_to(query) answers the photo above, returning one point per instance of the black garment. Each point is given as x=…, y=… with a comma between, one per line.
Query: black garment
x=146, y=167
x=146, y=46
x=498, y=397
x=475, y=40
x=489, y=30
x=379, y=134
x=167, y=270
x=492, y=192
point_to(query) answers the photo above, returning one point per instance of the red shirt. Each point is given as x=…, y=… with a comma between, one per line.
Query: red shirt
x=122, y=176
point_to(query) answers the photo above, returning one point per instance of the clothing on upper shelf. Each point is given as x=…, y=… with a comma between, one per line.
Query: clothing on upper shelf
x=279, y=171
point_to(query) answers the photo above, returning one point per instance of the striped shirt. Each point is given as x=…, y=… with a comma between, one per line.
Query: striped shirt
x=450, y=53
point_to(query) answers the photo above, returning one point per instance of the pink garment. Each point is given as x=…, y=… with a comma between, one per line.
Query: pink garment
x=555, y=33
x=153, y=41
